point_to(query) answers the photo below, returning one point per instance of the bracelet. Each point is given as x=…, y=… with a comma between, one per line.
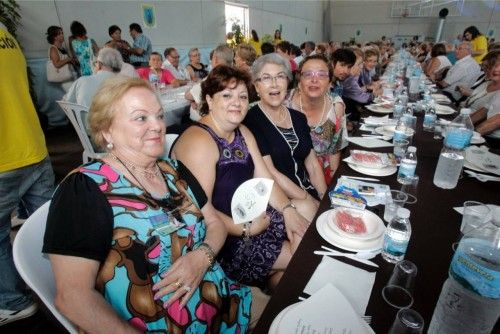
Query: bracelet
x=209, y=252
x=289, y=205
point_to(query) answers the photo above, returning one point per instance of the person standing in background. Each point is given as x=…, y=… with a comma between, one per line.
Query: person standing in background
x=82, y=47
x=26, y=174
x=255, y=42
x=478, y=41
x=141, y=48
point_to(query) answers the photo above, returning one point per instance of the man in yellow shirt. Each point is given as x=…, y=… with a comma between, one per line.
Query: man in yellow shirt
x=25, y=170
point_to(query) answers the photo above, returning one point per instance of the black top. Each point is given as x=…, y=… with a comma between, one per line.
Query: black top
x=200, y=72
x=272, y=142
x=80, y=219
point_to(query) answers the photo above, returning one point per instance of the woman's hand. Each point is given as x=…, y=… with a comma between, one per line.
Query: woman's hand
x=183, y=277
x=260, y=224
x=295, y=223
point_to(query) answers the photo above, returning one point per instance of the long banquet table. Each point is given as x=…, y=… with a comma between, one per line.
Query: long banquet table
x=435, y=227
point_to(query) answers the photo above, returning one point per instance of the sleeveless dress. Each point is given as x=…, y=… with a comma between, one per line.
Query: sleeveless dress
x=246, y=263
x=199, y=72
x=84, y=53
x=139, y=252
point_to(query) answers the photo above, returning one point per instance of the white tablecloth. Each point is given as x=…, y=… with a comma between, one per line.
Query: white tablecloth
x=174, y=104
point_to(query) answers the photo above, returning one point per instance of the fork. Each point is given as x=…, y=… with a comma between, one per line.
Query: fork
x=482, y=177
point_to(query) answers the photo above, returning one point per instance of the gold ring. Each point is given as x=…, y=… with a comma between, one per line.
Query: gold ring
x=178, y=284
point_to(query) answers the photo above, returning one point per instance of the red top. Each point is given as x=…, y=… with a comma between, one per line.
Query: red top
x=166, y=77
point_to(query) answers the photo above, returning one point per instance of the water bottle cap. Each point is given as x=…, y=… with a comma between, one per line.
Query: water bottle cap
x=403, y=213
x=412, y=149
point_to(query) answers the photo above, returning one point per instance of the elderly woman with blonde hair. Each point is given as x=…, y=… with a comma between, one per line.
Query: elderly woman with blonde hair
x=132, y=239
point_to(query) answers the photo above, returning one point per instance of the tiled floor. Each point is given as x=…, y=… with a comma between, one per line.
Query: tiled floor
x=65, y=152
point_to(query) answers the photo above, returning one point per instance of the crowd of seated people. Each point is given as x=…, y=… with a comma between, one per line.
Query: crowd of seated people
x=306, y=99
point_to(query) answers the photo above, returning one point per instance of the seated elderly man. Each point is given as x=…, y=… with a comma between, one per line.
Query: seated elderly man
x=109, y=62
x=221, y=55
x=491, y=125
x=464, y=73
x=172, y=64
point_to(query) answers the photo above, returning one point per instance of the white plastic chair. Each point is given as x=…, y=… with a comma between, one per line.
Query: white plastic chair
x=169, y=142
x=33, y=266
x=74, y=113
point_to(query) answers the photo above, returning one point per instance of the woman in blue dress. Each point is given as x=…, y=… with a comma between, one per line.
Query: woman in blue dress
x=132, y=239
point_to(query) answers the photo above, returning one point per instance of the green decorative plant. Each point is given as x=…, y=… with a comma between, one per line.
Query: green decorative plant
x=267, y=38
x=9, y=15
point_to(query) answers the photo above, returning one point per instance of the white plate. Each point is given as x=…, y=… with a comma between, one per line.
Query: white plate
x=468, y=165
x=374, y=171
x=274, y=328
x=387, y=130
x=348, y=244
x=483, y=159
x=444, y=110
x=441, y=98
x=378, y=109
x=374, y=225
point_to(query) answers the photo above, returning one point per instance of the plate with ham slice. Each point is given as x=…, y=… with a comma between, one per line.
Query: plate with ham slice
x=351, y=230
x=355, y=224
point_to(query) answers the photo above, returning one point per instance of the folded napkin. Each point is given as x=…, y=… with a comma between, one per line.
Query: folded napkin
x=441, y=98
x=445, y=110
x=327, y=311
x=367, y=127
x=354, y=283
x=373, y=120
x=369, y=142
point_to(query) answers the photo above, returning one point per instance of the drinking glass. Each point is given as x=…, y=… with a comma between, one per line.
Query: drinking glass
x=438, y=131
x=410, y=189
x=394, y=199
x=400, y=147
x=407, y=321
x=398, y=291
x=475, y=215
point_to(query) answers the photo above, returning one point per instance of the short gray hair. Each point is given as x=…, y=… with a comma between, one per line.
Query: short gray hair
x=271, y=58
x=468, y=45
x=224, y=53
x=111, y=59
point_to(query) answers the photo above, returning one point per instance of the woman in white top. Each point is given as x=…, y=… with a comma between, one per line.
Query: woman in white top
x=438, y=61
x=57, y=55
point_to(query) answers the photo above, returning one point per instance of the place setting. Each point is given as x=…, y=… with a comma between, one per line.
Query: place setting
x=372, y=163
x=480, y=159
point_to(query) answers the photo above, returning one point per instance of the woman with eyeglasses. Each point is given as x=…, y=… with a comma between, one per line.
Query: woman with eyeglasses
x=195, y=68
x=325, y=115
x=283, y=134
x=222, y=154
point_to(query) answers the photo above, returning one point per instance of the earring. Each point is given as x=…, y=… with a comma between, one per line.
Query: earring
x=110, y=146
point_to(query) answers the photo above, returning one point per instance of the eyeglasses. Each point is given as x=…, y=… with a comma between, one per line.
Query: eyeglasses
x=318, y=74
x=268, y=80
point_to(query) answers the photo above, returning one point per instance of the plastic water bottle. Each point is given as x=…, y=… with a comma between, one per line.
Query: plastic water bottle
x=153, y=80
x=396, y=237
x=398, y=109
x=408, y=166
x=470, y=298
x=451, y=160
x=430, y=116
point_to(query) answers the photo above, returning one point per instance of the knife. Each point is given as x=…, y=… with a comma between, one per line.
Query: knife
x=347, y=255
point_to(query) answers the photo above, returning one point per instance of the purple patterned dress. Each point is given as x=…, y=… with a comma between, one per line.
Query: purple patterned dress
x=247, y=263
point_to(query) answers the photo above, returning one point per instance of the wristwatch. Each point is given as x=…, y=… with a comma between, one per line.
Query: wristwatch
x=289, y=205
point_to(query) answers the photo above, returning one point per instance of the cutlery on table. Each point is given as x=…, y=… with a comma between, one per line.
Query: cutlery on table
x=360, y=178
x=346, y=255
x=482, y=177
x=366, y=254
x=377, y=137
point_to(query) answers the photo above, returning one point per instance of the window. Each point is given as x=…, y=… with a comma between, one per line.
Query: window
x=237, y=14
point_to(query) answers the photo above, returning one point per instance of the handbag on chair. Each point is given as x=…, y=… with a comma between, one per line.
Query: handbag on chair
x=61, y=74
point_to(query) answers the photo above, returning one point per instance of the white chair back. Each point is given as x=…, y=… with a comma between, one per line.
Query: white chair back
x=74, y=113
x=33, y=266
x=170, y=138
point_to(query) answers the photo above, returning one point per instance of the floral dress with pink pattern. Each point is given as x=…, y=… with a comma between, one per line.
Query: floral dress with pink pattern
x=137, y=251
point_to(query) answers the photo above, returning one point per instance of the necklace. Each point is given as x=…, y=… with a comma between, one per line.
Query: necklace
x=318, y=128
x=281, y=114
x=218, y=129
x=149, y=173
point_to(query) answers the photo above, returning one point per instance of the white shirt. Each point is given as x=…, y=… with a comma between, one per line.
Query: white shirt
x=129, y=70
x=465, y=72
x=84, y=88
x=443, y=62
x=179, y=73
x=494, y=109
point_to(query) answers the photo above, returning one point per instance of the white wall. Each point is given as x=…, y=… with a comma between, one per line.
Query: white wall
x=182, y=24
x=374, y=20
